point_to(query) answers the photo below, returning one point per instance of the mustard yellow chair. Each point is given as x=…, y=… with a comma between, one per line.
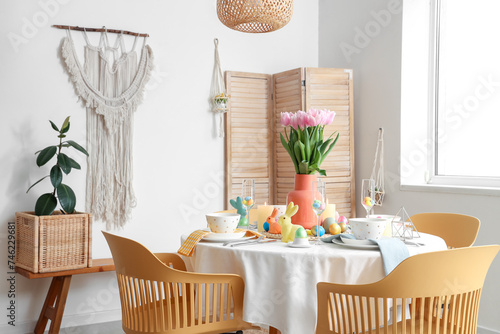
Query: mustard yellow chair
x=457, y=230
x=438, y=292
x=158, y=296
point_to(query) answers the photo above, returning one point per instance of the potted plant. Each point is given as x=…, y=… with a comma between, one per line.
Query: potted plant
x=49, y=240
x=307, y=149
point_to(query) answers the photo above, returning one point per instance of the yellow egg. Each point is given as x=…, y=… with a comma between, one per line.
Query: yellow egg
x=343, y=227
x=335, y=229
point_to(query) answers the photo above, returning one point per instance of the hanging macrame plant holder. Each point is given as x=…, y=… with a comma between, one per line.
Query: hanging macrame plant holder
x=378, y=169
x=218, y=95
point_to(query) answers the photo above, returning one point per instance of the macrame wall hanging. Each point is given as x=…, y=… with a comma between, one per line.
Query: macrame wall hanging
x=218, y=96
x=378, y=169
x=111, y=84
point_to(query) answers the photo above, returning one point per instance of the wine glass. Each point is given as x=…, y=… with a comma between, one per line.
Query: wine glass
x=318, y=200
x=248, y=196
x=368, y=195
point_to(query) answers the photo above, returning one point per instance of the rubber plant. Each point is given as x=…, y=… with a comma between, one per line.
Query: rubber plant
x=62, y=193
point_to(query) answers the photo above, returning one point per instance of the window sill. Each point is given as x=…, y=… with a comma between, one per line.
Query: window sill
x=483, y=191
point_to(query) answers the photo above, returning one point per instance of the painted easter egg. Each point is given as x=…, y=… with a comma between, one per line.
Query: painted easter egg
x=301, y=233
x=321, y=230
x=327, y=222
x=250, y=197
x=250, y=202
x=335, y=229
x=266, y=226
x=316, y=205
x=342, y=219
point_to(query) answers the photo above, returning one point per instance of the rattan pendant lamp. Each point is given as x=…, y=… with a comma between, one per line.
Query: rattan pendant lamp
x=255, y=16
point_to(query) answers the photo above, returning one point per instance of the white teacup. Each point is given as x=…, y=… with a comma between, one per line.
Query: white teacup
x=368, y=228
x=223, y=222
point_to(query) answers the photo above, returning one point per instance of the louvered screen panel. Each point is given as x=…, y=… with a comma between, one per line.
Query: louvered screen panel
x=328, y=88
x=248, y=135
x=288, y=97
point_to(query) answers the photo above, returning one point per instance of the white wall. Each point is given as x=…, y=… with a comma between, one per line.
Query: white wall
x=178, y=158
x=354, y=34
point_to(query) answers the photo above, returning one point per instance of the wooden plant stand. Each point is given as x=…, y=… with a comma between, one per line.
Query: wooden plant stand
x=53, y=307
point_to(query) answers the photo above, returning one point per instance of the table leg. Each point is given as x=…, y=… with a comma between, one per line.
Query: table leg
x=273, y=330
x=53, y=307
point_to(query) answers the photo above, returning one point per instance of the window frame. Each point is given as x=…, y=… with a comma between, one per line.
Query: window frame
x=427, y=177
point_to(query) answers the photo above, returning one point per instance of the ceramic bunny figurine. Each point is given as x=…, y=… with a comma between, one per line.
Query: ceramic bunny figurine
x=272, y=220
x=240, y=209
x=287, y=228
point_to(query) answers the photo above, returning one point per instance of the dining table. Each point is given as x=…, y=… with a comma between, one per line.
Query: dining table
x=280, y=281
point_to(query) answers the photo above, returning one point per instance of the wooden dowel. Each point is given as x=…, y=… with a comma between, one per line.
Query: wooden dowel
x=114, y=31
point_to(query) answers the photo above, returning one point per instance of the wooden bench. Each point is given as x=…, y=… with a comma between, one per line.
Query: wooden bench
x=53, y=307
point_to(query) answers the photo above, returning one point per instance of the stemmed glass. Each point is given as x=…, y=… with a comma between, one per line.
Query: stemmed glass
x=368, y=195
x=318, y=204
x=247, y=194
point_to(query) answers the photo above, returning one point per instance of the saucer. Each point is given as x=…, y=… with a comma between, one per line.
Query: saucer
x=224, y=236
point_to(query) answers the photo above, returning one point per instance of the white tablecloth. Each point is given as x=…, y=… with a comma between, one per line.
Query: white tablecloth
x=280, y=281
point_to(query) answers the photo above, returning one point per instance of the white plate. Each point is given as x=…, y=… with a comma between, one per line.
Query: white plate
x=222, y=237
x=291, y=244
x=340, y=243
x=355, y=241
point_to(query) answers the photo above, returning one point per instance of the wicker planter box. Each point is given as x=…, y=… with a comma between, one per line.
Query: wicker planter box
x=53, y=243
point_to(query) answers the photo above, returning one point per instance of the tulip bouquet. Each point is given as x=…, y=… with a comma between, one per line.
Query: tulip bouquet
x=304, y=143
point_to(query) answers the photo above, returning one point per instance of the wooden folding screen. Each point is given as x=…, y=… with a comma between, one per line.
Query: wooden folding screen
x=298, y=89
x=249, y=149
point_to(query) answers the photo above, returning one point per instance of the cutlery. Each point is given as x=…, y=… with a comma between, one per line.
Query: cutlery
x=244, y=241
x=253, y=242
x=414, y=243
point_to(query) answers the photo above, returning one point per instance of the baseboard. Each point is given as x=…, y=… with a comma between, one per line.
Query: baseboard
x=68, y=321
x=484, y=330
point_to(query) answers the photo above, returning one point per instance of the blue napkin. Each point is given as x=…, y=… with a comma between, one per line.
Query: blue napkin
x=393, y=252
x=337, y=236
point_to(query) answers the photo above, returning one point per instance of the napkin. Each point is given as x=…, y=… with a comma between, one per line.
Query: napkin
x=393, y=252
x=337, y=236
x=188, y=246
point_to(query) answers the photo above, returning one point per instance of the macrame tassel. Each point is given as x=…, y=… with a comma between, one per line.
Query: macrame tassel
x=111, y=94
x=218, y=96
x=378, y=169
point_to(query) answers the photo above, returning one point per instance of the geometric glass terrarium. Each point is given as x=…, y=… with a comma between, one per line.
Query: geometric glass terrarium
x=403, y=228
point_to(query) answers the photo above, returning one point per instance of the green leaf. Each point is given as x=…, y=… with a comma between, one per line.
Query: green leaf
x=65, y=126
x=45, y=155
x=54, y=126
x=78, y=147
x=37, y=182
x=45, y=205
x=322, y=172
x=61, y=136
x=329, y=149
x=64, y=163
x=73, y=163
x=302, y=151
x=67, y=198
x=290, y=153
x=303, y=167
x=307, y=145
x=296, y=150
x=56, y=176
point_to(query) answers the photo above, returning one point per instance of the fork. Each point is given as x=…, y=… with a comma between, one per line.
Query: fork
x=242, y=242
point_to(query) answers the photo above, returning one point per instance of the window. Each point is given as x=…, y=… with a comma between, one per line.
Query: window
x=451, y=94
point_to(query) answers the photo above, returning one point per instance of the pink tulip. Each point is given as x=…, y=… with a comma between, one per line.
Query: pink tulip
x=286, y=118
x=294, y=121
x=301, y=118
x=329, y=116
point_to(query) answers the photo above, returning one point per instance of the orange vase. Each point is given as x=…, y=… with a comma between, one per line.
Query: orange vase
x=301, y=196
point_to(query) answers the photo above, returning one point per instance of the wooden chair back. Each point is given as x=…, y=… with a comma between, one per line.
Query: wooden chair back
x=457, y=230
x=436, y=292
x=158, y=296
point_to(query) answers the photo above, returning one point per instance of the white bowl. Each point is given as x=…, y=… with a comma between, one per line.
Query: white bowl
x=223, y=222
x=368, y=228
x=388, y=217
